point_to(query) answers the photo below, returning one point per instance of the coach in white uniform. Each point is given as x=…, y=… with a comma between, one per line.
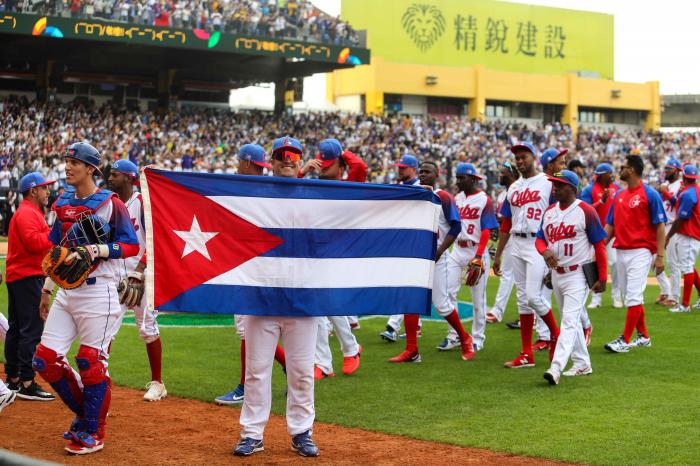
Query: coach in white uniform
x=670, y=287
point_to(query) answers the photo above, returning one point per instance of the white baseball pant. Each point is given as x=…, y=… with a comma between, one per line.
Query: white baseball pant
x=529, y=270
x=632, y=269
x=146, y=322
x=611, y=252
x=458, y=260
x=673, y=255
x=505, y=286
x=348, y=343
x=298, y=336
x=3, y=388
x=4, y=325
x=688, y=248
x=571, y=290
x=240, y=325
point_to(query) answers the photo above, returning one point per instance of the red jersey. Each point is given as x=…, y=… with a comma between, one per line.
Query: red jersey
x=689, y=212
x=27, y=242
x=593, y=195
x=634, y=215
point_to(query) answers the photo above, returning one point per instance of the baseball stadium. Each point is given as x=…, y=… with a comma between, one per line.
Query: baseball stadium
x=347, y=232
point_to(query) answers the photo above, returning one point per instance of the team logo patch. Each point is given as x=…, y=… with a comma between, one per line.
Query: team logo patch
x=560, y=232
x=525, y=197
x=635, y=201
x=467, y=213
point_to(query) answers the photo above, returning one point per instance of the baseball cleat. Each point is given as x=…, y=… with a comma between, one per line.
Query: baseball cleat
x=551, y=377
x=678, y=308
x=418, y=334
x=594, y=304
x=523, y=360
x=6, y=399
x=541, y=345
x=515, y=325
x=304, y=445
x=389, y=334
x=84, y=443
x=491, y=318
x=34, y=392
x=617, y=303
x=448, y=344
x=234, y=397
x=156, y=391
x=696, y=306
x=468, y=352
x=587, y=334
x=640, y=341
x=407, y=356
x=618, y=345
x=355, y=326
x=577, y=371
x=668, y=302
x=352, y=363
x=14, y=386
x=247, y=446
x=661, y=298
x=319, y=374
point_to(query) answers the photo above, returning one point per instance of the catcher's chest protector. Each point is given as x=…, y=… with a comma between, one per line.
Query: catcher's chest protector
x=68, y=208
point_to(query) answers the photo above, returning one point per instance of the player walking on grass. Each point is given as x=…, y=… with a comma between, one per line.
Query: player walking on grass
x=670, y=287
x=570, y=234
x=444, y=294
x=525, y=203
x=90, y=311
x=637, y=223
x=684, y=237
x=122, y=177
x=251, y=161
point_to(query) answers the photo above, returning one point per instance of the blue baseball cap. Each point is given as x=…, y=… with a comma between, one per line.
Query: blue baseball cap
x=407, y=160
x=550, y=155
x=287, y=143
x=255, y=154
x=690, y=171
x=674, y=163
x=329, y=151
x=603, y=168
x=467, y=169
x=126, y=167
x=524, y=145
x=565, y=176
x=32, y=180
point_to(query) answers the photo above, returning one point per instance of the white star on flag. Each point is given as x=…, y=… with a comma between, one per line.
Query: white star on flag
x=195, y=239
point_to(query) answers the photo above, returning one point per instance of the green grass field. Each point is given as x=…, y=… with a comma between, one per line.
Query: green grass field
x=636, y=408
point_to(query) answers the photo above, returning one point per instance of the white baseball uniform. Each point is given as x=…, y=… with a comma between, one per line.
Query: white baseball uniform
x=505, y=286
x=673, y=289
x=348, y=342
x=4, y=325
x=571, y=233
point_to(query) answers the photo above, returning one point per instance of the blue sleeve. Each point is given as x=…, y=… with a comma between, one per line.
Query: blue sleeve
x=587, y=195
x=657, y=214
x=488, y=217
x=505, y=209
x=123, y=229
x=55, y=233
x=687, y=203
x=610, y=218
x=594, y=230
x=449, y=209
x=540, y=234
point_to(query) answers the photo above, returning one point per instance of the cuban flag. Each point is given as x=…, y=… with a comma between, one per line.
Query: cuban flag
x=269, y=246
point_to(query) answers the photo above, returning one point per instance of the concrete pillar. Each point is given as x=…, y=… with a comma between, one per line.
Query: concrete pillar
x=164, y=82
x=374, y=102
x=570, y=114
x=280, y=92
x=477, y=104
x=43, y=80
x=653, y=120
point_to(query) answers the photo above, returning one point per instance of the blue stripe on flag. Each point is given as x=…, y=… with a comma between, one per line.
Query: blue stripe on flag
x=336, y=244
x=301, y=302
x=208, y=184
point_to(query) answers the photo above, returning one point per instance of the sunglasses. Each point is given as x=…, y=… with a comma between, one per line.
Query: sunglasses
x=286, y=154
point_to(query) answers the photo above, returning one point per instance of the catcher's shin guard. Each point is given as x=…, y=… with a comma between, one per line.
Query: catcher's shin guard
x=60, y=376
x=96, y=387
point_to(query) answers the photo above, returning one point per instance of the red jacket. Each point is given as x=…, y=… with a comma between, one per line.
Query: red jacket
x=27, y=242
x=357, y=168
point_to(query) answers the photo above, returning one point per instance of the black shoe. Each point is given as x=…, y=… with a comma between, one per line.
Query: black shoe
x=514, y=325
x=14, y=386
x=34, y=392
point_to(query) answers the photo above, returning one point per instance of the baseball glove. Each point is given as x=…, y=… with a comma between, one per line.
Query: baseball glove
x=474, y=271
x=68, y=268
x=548, y=280
x=131, y=289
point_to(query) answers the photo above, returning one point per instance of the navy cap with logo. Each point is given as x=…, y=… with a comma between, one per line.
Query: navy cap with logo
x=565, y=176
x=32, y=180
x=255, y=154
x=407, y=160
x=287, y=143
x=85, y=153
x=467, y=169
x=524, y=145
x=549, y=155
x=126, y=167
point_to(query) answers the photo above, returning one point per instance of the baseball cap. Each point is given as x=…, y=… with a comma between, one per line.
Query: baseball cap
x=674, y=163
x=126, y=167
x=329, y=151
x=32, y=180
x=550, y=154
x=603, y=168
x=288, y=143
x=253, y=153
x=690, y=171
x=467, y=169
x=524, y=145
x=407, y=160
x=565, y=176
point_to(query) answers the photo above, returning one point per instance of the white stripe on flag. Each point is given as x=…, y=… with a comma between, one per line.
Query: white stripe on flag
x=289, y=272
x=268, y=212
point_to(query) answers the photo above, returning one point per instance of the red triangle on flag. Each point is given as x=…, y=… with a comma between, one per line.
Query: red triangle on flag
x=188, y=227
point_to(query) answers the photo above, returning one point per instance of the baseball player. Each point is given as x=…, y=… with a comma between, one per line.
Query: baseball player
x=600, y=195
x=7, y=396
x=444, y=296
x=251, y=161
x=88, y=312
x=408, y=166
x=335, y=164
x=637, y=222
x=478, y=220
x=684, y=237
x=569, y=235
x=670, y=287
x=506, y=177
x=525, y=203
x=299, y=337
x=122, y=177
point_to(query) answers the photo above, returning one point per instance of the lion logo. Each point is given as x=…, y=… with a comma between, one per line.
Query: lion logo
x=424, y=24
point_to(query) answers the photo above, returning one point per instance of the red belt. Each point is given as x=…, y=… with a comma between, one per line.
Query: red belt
x=466, y=244
x=566, y=269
